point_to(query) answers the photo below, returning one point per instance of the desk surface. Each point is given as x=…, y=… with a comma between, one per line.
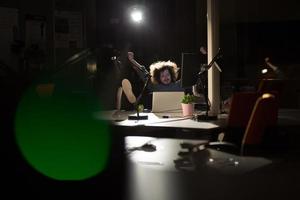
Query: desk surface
x=156, y=120
x=288, y=119
x=165, y=156
x=206, y=174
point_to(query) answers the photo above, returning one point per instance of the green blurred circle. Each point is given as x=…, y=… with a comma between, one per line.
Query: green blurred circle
x=59, y=137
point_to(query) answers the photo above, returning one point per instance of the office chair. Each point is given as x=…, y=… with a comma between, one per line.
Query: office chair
x=263, y=116
x=268, y=85
x=240, y=109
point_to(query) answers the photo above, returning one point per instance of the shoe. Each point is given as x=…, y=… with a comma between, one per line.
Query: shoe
x=126, y=85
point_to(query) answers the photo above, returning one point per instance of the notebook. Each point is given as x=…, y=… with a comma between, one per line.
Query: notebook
x=167, y=101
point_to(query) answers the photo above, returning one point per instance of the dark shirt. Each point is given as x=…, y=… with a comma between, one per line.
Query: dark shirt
x=170, y=87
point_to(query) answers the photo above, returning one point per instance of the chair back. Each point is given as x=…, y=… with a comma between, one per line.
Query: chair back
x=241, y=107
x=271, y=86
x=264, y=114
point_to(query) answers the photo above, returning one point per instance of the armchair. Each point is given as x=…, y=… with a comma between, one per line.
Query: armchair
x=263, y=115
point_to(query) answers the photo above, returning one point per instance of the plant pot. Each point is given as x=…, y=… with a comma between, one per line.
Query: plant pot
x=187, y=109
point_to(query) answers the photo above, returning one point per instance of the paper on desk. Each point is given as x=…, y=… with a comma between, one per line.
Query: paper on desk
x=184, y=123
x=152, y=119
x=112, y=115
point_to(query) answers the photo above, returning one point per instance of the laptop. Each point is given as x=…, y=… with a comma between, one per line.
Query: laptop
x=167, y=101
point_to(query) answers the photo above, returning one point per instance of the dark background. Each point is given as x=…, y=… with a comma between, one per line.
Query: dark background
x=250, y=30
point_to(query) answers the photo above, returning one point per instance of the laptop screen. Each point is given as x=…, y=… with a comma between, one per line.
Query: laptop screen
x=167, y=101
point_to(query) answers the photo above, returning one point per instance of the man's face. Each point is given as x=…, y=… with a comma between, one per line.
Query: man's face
x=165, y=77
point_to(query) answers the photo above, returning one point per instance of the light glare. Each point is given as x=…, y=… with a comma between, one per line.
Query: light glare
x=136, y=16
x=264, y=71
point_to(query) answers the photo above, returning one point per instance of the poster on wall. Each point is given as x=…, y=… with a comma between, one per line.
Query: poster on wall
x=35, y=30
x=68, y=29
x=9, y=32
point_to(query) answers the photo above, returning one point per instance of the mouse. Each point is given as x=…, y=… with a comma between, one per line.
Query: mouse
x=148, y=147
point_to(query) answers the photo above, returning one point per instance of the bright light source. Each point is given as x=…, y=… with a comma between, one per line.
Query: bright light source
x=91, y=66
x=137, y=16
x=264, y=71
x=266, y=95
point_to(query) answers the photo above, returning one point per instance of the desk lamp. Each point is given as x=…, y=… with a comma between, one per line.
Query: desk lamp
x=137, y=116
x=201, y=83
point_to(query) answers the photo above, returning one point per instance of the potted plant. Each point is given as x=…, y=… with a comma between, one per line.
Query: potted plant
x=187, y=104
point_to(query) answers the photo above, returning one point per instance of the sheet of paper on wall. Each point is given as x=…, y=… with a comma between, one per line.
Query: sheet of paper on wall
x=68, y=29
x=9, y=31
x=36, y=30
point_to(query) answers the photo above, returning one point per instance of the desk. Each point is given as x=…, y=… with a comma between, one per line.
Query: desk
x=166, y=155
x=207, y=174
x=163, y=127
x=210, y=174
x=288, y=122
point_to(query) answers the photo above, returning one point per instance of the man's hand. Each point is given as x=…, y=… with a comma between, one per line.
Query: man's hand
x=137, y=66
x=130, y=56
x=203, y=50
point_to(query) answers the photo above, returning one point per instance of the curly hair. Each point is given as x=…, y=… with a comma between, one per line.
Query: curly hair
x=160, y=66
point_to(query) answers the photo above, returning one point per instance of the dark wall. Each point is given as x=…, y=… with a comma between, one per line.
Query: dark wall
x=37, y=8
x=253, y=30
x=169, y=28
